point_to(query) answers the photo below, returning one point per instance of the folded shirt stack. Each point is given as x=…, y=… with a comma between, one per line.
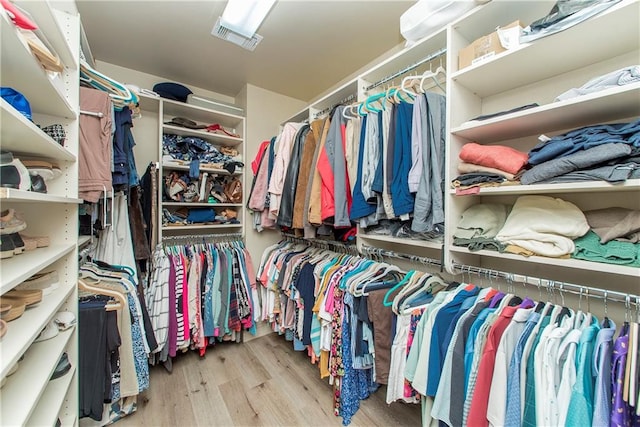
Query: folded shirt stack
x=613, y=238
x=542, y=225
x=609, y=152
x=487, y=165
x=479, y=225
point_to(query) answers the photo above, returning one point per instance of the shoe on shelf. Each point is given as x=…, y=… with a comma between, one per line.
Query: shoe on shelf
x=37, y=184
x=18, y=243
x=47, y=170
x=7, y=248
x=28, y=296
x=62, y=368
x=45, y=282
x=10, y=223
x=16, y=310
x=13, y=174
x=64, y=320
x=33, y=242
x=49, y=331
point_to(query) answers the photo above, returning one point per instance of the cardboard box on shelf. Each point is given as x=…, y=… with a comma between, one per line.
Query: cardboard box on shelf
x=503, y=38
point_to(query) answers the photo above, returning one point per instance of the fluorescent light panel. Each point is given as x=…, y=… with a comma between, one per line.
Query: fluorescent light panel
x=245, y=16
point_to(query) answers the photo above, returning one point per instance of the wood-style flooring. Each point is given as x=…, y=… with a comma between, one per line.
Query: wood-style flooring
x=262, y=382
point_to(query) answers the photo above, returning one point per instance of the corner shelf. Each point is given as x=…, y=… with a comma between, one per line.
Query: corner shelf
x=20, y=135
x=27, y=76
x=20, y=267
x=23, y=330
x=196, y=113
x=200, y=227
x=402, y=241
x=214, y=138
x=23, y=389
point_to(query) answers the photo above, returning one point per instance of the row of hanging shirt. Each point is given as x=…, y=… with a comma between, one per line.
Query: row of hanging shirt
x=200, y=294
x=315, y=298
x=384, y=161
x=471, y=356
x=121, y=343
x=479, y=357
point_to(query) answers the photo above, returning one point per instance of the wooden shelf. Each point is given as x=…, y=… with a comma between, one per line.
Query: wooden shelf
x=604, y=106
x=51, y=23
x=170, y=166
x=200, y=227
x=531, y=62
x=573, y=187
x=20, y=136
x=402, y=241
x=25, y=74
x=196, y=113
x=50, y=403
x=23, y=389
x=18, y=268
x=214, y=138
x=13, y=195
x=568, y=263
x=23, y=330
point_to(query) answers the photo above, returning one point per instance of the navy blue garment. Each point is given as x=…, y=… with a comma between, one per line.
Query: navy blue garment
x=584, y=138
x=121, y=147
x=378, y=179
x=359, y=206
x=305, y=284
x=402, y=199
x=441, y=324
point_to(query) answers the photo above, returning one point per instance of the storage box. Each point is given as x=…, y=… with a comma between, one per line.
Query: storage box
x=490, y=45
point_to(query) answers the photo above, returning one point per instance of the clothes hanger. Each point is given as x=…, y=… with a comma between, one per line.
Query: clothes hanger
x=433, y=75
x=84, y=286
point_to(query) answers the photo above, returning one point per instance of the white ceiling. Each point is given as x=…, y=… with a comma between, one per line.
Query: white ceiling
x=308, y=46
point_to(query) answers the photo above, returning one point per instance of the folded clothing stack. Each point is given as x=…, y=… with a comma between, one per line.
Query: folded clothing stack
x=606, y=152
x=479, y=226
x=187, y=148
x=487, y=165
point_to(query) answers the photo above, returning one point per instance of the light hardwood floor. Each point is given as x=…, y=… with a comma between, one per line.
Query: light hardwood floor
x=262, y=382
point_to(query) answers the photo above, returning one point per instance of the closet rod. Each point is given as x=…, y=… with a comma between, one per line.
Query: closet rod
x=326, y=110
x=324, y=244
x=407, y=69
x=370, y=250
x=551, y=285
x=201, y=237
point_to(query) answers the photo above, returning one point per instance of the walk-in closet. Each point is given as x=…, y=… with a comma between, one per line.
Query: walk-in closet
x=292, y=213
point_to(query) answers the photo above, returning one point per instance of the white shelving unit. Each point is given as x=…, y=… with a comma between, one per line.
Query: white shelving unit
x=518, y=77
x=165, y=110
x=28, y=397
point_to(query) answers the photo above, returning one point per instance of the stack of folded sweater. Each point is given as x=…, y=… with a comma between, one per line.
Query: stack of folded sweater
x=608, y=152
x=613, y=239
x=487, y=165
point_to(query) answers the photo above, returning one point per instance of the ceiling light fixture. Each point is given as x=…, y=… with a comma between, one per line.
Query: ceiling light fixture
x=245, y=16
x=240, y=21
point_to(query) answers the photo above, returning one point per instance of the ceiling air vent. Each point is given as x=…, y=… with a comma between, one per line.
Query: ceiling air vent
x=229, y=35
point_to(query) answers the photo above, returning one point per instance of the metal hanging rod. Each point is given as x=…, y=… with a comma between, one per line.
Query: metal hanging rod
x=550, y=285
x=328, y=109
x=333, y=245
x=202, y=237
x=409, y=68
x=370, y=250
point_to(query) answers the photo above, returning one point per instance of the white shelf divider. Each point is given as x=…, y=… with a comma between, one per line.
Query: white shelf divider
x=200, y=227
x=573, y=187
x=13, y=195
x=20, y=135
x=23, y=330
x=397, y=240
x=23, y=389
x=170, y=166
x=46, y=413
x=20, y=267
x=206, y=205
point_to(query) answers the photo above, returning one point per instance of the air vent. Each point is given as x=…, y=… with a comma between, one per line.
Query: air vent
x=229, y=35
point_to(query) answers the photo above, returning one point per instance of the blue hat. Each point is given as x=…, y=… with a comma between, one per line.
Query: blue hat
x=17, y=101
x=173, y=91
